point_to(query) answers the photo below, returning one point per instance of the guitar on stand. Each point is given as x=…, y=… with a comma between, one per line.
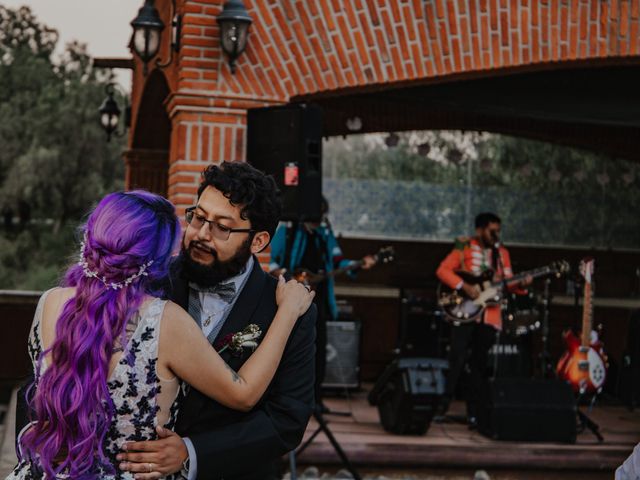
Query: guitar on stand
x=310, y=279
x=459, y=308
x=584, y=364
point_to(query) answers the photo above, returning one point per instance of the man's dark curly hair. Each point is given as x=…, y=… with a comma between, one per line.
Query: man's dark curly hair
x=484, y=219
x=255, y=192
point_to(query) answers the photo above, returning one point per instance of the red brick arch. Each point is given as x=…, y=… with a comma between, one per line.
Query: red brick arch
x=307, y=49
x=314, y=46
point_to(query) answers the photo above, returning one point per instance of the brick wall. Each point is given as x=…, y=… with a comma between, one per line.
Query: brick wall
x=312, y=48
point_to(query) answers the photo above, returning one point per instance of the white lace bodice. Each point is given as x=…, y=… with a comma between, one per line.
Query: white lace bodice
x=141, y=398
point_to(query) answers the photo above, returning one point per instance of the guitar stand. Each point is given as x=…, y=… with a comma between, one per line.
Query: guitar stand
x=586, y=422
x=323, y=427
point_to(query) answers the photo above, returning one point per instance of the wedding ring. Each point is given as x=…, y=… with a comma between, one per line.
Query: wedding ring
x=149, y=467
x=308, y=288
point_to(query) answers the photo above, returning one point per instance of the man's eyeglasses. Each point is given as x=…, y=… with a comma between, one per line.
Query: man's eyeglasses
x=217, y=230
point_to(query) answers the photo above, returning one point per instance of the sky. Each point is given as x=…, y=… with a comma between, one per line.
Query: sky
x=102, y=24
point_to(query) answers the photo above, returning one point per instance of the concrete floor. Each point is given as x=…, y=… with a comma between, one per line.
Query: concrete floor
x=446, y=452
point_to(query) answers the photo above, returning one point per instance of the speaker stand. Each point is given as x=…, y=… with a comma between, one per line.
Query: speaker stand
x=323, y=427
x=327, y=411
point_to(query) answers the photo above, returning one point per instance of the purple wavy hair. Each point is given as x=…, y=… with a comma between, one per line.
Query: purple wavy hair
x=71, y=404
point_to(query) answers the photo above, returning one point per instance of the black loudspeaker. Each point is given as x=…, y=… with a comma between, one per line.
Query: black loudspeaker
x=628, y=384
x=408, y=393
x=528, y=410
x=343, y=355
x=286, y=142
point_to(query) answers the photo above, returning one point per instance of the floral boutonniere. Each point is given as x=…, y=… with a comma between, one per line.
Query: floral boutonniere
x=237, y=341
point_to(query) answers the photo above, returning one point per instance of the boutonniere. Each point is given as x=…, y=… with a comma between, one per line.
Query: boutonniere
x=236, y=342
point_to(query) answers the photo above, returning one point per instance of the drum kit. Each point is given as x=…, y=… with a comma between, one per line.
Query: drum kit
x=521, y=314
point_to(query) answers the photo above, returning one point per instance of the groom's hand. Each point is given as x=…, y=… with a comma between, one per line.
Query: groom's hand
x=154, y=459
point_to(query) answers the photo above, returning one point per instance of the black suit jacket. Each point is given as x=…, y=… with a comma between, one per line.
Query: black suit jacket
x=241, y=445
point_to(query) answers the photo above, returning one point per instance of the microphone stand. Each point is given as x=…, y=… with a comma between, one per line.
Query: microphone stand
x=497, y=262
x=545, y=364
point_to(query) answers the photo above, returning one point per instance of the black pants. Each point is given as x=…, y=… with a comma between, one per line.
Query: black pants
x=479, y=338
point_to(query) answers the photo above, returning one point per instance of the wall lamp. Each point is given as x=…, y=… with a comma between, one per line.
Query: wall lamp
x=234, y=21
x=147, y=33
x=110, y=113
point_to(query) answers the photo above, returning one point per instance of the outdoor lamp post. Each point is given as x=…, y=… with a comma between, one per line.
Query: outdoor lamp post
x=147, y=28
x=110, y=114
x=234, y=21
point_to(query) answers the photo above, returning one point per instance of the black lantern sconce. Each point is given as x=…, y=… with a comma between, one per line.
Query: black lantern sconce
x=234, y=22
x=110, y=113
x=147, y=34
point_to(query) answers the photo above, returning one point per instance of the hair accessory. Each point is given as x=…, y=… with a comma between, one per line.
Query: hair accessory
x=142, y=271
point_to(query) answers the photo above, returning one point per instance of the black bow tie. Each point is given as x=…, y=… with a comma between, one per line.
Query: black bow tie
x=226, y=291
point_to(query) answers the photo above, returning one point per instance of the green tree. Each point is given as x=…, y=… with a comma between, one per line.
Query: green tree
x=54, y=157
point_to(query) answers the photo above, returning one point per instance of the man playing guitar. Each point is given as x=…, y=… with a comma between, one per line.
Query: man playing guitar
x=476, y=255
x=313, y=246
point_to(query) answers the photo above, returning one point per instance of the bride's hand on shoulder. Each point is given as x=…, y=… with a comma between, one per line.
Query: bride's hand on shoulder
x=293, y=297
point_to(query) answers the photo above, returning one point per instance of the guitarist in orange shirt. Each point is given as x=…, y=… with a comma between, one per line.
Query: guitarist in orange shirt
x=476, y=255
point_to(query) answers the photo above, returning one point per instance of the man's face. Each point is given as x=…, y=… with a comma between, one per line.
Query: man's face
x=490, y=234
x=210, y=259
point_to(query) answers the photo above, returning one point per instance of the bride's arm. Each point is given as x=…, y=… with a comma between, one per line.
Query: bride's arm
x=186, y=351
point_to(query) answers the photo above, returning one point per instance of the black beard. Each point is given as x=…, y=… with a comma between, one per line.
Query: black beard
x=218, y=271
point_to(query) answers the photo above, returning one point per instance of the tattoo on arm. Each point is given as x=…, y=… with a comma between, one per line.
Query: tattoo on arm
x=234, y=374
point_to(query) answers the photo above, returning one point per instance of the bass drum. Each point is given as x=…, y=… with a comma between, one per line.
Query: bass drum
x=521, y=315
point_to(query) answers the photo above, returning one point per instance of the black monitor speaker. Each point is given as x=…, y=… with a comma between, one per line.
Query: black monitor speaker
x=286, y=142
x=408, y=393
x=524, y=409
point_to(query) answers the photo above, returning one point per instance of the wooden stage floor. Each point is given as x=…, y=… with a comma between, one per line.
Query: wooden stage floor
x=450, y=444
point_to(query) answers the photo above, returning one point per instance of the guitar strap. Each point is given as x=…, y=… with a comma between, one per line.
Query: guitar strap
x=462, y=265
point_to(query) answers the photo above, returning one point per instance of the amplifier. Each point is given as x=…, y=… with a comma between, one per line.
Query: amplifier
x=343, y=355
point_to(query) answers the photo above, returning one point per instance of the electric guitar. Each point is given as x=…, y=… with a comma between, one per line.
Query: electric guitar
x=584, y=364
x=459, y=308
x=307, y=277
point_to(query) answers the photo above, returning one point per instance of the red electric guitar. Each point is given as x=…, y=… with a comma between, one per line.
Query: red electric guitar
x=584, y=364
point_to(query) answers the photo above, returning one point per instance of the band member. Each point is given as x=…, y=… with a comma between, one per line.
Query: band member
x=475, y=255
x=313, y=246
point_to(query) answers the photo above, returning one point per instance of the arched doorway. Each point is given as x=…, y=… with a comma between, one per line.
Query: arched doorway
x=147, y=162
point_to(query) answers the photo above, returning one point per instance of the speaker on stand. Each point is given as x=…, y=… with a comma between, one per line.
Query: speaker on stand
x=286, y=142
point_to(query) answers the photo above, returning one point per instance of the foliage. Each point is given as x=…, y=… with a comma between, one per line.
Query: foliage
x=54, y=161
x=35, y=258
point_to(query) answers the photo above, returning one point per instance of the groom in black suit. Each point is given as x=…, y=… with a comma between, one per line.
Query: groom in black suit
x=220, y=282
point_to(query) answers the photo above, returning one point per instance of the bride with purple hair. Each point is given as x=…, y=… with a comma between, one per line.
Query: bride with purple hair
x=112, y=359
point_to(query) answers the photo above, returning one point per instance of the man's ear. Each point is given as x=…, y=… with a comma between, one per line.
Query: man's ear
x=260, y=242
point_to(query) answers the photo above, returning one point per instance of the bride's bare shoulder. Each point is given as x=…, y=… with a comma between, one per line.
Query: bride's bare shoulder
x=175, y=313
x=57, y=297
